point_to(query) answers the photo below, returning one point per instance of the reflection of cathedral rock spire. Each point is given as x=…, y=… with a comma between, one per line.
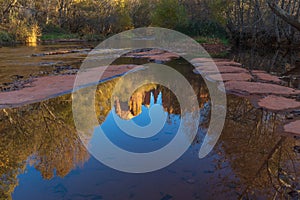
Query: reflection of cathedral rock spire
x=148, y=96
x=147, y=99
x=136, y=102
x=155, y=94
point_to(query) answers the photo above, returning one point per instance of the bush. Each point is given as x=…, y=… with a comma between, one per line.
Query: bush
x=93, y=37
x=54, y=29
x=204, y=28
x=169, y=14
x=58, y=36
x=6, y=38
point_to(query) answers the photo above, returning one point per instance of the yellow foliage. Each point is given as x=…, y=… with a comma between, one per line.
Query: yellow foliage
x=33, y=35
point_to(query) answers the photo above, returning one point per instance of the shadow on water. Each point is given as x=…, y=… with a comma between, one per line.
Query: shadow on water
x=43, y=158
x=284, y=62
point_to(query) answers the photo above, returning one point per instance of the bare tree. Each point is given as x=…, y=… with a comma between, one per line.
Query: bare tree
x=288, y=16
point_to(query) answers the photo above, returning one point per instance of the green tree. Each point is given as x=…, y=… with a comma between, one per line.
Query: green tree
x=169, y=14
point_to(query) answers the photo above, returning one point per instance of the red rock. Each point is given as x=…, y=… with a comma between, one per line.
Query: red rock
x=218, y=62
x=230, y=77
x=204, y=60
x=50, y=86
x=232, y=69
x=249, y=88
x=206, y=69
x=145, y=53
x=276, y=103
x=163, y=57
x=265, y=77
x=293, y=127
x=258, y=71
x=228, y=63
x=154, y=54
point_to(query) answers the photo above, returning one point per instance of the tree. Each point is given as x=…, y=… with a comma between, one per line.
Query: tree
x=169, y=14
x=288, y=17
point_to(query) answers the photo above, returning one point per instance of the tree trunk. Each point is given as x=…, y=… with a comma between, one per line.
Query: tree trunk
x=288, y=18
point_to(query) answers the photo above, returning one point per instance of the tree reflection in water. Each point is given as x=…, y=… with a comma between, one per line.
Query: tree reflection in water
x=262, y=160
x=42, y=135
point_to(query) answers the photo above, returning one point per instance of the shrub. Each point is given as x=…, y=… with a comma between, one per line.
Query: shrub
x=93, y=37
x=6, y=38
x=51, y=28
x=169, y=14
x=204, y=28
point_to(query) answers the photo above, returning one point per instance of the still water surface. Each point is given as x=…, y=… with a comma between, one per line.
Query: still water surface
x=41, y=156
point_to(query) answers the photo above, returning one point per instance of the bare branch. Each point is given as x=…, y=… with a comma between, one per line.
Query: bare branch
x=288, y=18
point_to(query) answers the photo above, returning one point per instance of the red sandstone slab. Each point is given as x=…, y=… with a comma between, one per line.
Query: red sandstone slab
x=145, y=53
x=155, y=55
x=228, y=63
x=250, y=88
x=232, y=69
x=265, y=77
x=218, y=62
x=276, y=103
x=229, y=77
x=163, y=57
x=292, y=127
x=206, y=69
x=50, y=86
x=205, y=60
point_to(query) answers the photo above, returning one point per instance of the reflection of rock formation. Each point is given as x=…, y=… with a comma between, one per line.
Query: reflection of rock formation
x=147, y=99
x=142, y=97
x=136, y=102
x=45, y=132
x=128, y=110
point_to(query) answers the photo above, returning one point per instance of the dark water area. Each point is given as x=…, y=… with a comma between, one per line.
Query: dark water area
x=42, y=156
x=283, y=62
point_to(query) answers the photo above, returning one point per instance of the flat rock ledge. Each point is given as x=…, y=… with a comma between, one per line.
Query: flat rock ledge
x=206, y=69
x=264, y=90
x=263, y=76
x=245, y=88
x=276, y=103
x=154, y=55
x=43, y=88
x=229, y=77
x=292, y=127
